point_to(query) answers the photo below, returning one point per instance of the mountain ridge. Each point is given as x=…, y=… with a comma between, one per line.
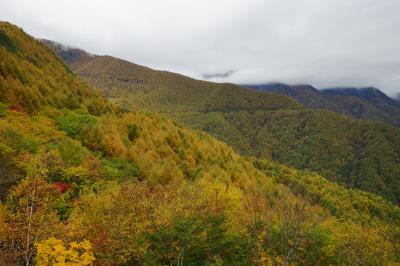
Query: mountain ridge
x=362, y=103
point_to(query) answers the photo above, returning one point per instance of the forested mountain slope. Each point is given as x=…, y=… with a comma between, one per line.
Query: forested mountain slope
x=154, y=90
x=160, y=188
x=138, y=189
x=307, y=95
x=359, y=154
x=366, y=103
x=363, y=103
x=31, y=76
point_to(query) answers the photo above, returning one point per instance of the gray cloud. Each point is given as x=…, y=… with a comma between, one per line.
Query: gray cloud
x=321, y=42
x=222, y=75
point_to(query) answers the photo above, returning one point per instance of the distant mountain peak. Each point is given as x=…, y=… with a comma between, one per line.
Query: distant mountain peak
x=69, y=54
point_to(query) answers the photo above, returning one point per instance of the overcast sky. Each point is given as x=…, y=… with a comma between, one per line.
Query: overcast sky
x=320, y=42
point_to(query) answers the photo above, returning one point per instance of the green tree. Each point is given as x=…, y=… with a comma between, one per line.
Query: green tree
x=196, y=241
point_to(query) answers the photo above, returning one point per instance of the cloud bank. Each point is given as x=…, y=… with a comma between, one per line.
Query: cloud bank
x=325, y=43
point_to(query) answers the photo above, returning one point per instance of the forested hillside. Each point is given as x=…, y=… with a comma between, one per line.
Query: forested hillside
x=366, y=103
x=130, y=188
x=307, y=95
x=360, y=154
x=165, y=91
x=361, y=103
x=31, y=76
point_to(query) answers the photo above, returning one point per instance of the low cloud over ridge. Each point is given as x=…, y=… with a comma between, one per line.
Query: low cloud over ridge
x=326, y=43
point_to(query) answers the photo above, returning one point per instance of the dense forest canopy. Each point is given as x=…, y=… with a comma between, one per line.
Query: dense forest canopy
x=89, y=184
x=355, y=153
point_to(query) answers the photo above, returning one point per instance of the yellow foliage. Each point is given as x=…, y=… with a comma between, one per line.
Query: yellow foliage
x=354, y=244
x=129, y=210
x=52, y=252
x=33, y=77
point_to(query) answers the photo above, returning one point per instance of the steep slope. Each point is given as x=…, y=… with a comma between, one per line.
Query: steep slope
x=138, y=189
x=31, y=76
x=260, y=124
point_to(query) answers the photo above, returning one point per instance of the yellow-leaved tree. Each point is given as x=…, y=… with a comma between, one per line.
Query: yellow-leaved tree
x=53, y=252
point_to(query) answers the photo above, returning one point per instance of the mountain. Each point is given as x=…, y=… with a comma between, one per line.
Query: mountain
x=68, y=54
x=360, y=103
x=360, y=154
x=131, y=188
x=366, y=103
x=307, y=95
x=117, y=78
x=372, y=95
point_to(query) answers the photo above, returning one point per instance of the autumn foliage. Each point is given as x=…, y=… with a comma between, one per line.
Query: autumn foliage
x=53, y=252
x=81, y=188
